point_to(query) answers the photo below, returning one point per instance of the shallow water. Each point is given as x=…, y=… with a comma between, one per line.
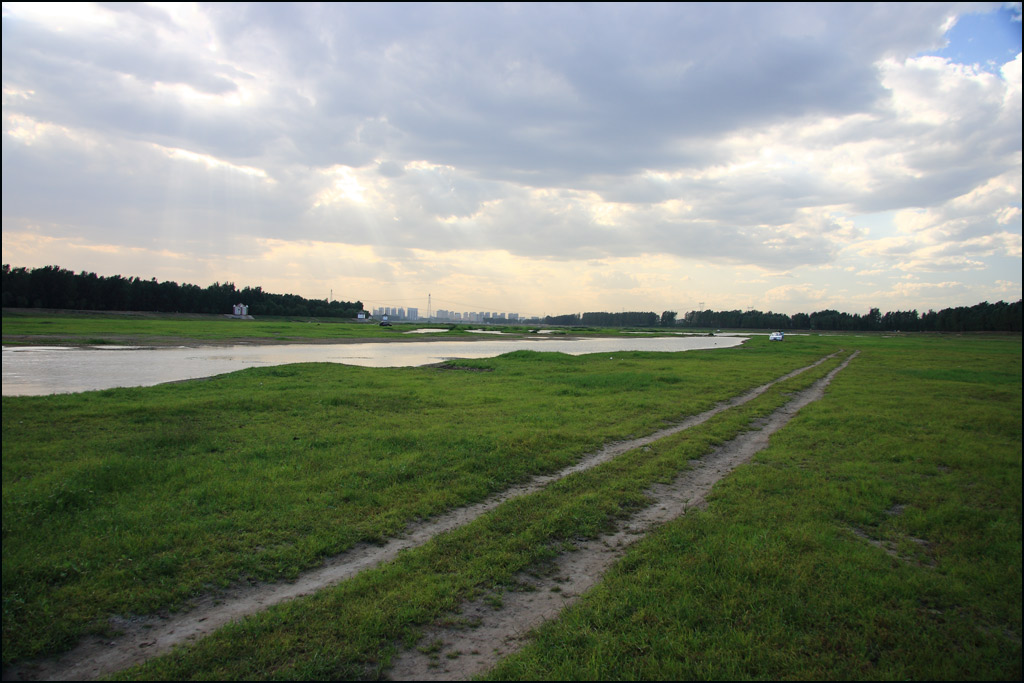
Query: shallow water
x=40, y=370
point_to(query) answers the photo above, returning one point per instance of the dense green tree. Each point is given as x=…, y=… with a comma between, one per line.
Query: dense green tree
x=568, y=319
x=983, y=317
x=624, y=319
x=55, y=287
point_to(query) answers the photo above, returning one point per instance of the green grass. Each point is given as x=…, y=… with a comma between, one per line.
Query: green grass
x=21, y=327
x=351, y=631
x=878, y=537
x=98, y=328
x=132, y=500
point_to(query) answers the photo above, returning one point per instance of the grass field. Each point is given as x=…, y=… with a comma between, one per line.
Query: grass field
x=878, y=537
x=142, y=329
x=29, y=326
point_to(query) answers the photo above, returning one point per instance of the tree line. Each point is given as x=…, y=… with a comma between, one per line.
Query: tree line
x=624, y=319
x=56, y=287
x=983, y=317
x=601, y=319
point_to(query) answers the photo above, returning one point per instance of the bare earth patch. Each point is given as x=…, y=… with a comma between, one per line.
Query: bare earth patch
x=140, y=638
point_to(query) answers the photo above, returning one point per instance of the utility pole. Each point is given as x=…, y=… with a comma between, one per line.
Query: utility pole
x=430, y=312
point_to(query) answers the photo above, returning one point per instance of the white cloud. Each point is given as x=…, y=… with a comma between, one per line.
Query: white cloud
x=658, y=137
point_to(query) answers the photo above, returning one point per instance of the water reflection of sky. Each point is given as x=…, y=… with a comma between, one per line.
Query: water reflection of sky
x=39, y=370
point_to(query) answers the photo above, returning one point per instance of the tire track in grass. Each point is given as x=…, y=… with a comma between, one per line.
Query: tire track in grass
x=454, y=653
x=142, y=638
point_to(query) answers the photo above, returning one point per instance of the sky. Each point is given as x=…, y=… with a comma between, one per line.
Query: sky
x=530, y=158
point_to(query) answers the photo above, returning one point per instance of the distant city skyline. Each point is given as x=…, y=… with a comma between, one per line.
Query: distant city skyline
x=412, y=313
x=541, y=158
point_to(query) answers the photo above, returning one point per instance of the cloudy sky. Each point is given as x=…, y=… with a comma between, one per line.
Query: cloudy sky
x=541, y=159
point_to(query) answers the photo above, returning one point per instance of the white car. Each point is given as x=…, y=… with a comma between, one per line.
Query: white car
x=775, y=336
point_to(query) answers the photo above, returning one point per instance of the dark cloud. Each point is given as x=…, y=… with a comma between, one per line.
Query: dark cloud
x=61, y=55
x=509, y=92
x=622, y=103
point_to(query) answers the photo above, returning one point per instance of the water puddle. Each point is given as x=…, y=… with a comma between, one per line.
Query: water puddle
x=41, y=370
